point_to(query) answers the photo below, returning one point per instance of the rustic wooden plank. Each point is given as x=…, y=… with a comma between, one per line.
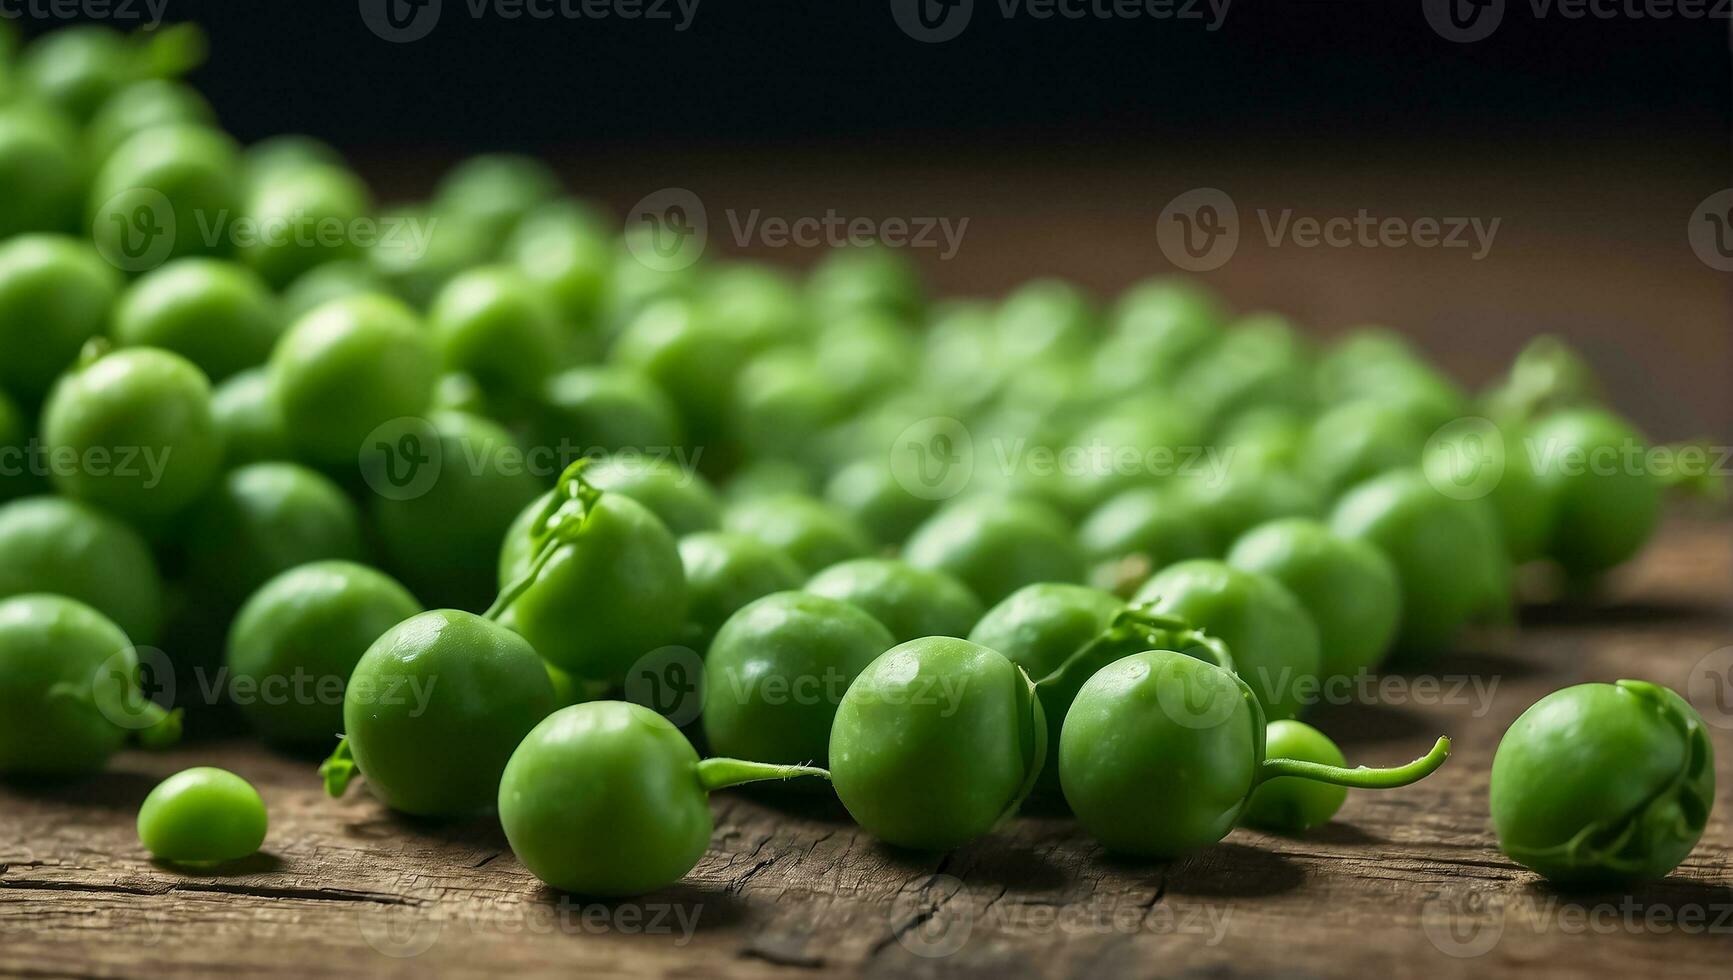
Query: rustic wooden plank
x=1405, y=883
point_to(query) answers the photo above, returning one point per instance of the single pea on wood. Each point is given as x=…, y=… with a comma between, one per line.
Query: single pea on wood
x=202, y=816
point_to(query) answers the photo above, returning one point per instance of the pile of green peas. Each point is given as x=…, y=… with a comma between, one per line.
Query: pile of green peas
x=458, y=496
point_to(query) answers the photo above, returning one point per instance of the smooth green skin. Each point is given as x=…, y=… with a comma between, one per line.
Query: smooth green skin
x=607, y=410
x=865, y=356
x=768, y=478
x=693, y=362
x=757, y=303
x=1042, y=319
x=1449, y=560
x=1606, y=509
x=1273, y=640
x=202, y=815
x=495, y=325
x=216, y=314
x=466, y=692
x=682, y=500
x=783, y=406
x=865, y=278
x=1230, y=505
x=725, y=571
x=415, y=268
x=311, y=214
x=867, y=491
x=1141, y=530
x=809, y=531
x=1525, y=512
x=16, y=476
x=1269, y=438
x=348, y=367
x=140, y=106
x=777, y=670
x=1144, y=775
x=1287, y=804
x=1156, y=327
x=1261, y=361
x=1357, y=440
x=497, y=189
x=248, y=419
x=274, y=156
x=76, y=69
x=997, y=545
x=41, y=173
x=566, y=250
x=51, y=544
x=263, y=519
x=299, y=638
x=49, y=640
x=1347, y=586
x=1603, y=783
x=1140, y=424
x=930, y=747
x=601, y=602
x=194, y=167
x=911, y=602
x=323, y=283
x=55, y=294
x=444, y=542
x=605, y=799
x=145, y=414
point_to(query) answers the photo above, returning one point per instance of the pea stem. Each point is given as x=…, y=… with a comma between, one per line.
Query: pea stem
x=1360, y=777
x=558, y=524
x=715, y=774
x=164, y=728
x=339, y=769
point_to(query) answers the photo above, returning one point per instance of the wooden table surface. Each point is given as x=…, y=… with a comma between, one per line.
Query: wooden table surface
x=1403, y=883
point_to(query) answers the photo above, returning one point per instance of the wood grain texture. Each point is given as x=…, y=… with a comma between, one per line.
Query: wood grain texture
x=1403, y=883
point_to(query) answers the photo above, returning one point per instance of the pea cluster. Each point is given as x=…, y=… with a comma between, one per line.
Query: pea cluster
x=451, y=492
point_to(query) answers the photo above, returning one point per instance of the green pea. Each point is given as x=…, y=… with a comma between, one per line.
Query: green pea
x=298, y=638
x=51, y=544
x=1042, y=319
x=865, y=356
x=275, y=156
x=566, y=250
x=216, y=314
x=181, y=179
x=1355, y=441
x=1155, y=328
x=76, y=69
x=1233, y=499
x=140, y=106
x=323, y=283
x=1603, y=783
x=17, y=477
x=1161, y=753
x=1261, y=361
x=865, y=278
x=427, y=252
x=725, y=571
x=911, y=602
x=756, y=303
x=263, y=519
x=69, y=689
x=936, y=742
x=309, y=216
x=693, y=361
x=348, y=367
x=495, y=325
x=443, y=540
x=55, y=294
x=682, y=499
x=1288, y=804
x=1139, y=531
x=1273, y=640
x=608, y=798
x=201, y=816
x=139, y=423
x=605, y=409
x=41, y=173
x=1346, y=585
x=783, y=406
x=810, y=531
x=1592, y=469
x=769, y=478
x=1449, y=561
x=1472, y=461
x=248, y=419
x=996, y=545
x=497, y=189
x=433, y=711
x=607, y=584
x=777, y=670
x=869, y=492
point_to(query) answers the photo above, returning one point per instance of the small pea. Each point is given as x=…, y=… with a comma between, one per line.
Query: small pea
x=202, y=815
x=1286, y=804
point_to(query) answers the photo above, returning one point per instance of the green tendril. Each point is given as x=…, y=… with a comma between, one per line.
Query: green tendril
x=715, y=774
x=1360, y=777
x=560, y=522
x=1706, y=485
x=170, y=51
x=1134, y=630
x=1032, y=739
x=339, y=769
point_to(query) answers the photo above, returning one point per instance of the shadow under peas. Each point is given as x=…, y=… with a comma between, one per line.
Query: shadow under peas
x=804, y=798
x=1711, y=903
x=682, y=908
x=1335, y=832
x=1586, y=613
x=1230, y=870
x=116, y=789
x=260, y=863
x=1355, y=724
